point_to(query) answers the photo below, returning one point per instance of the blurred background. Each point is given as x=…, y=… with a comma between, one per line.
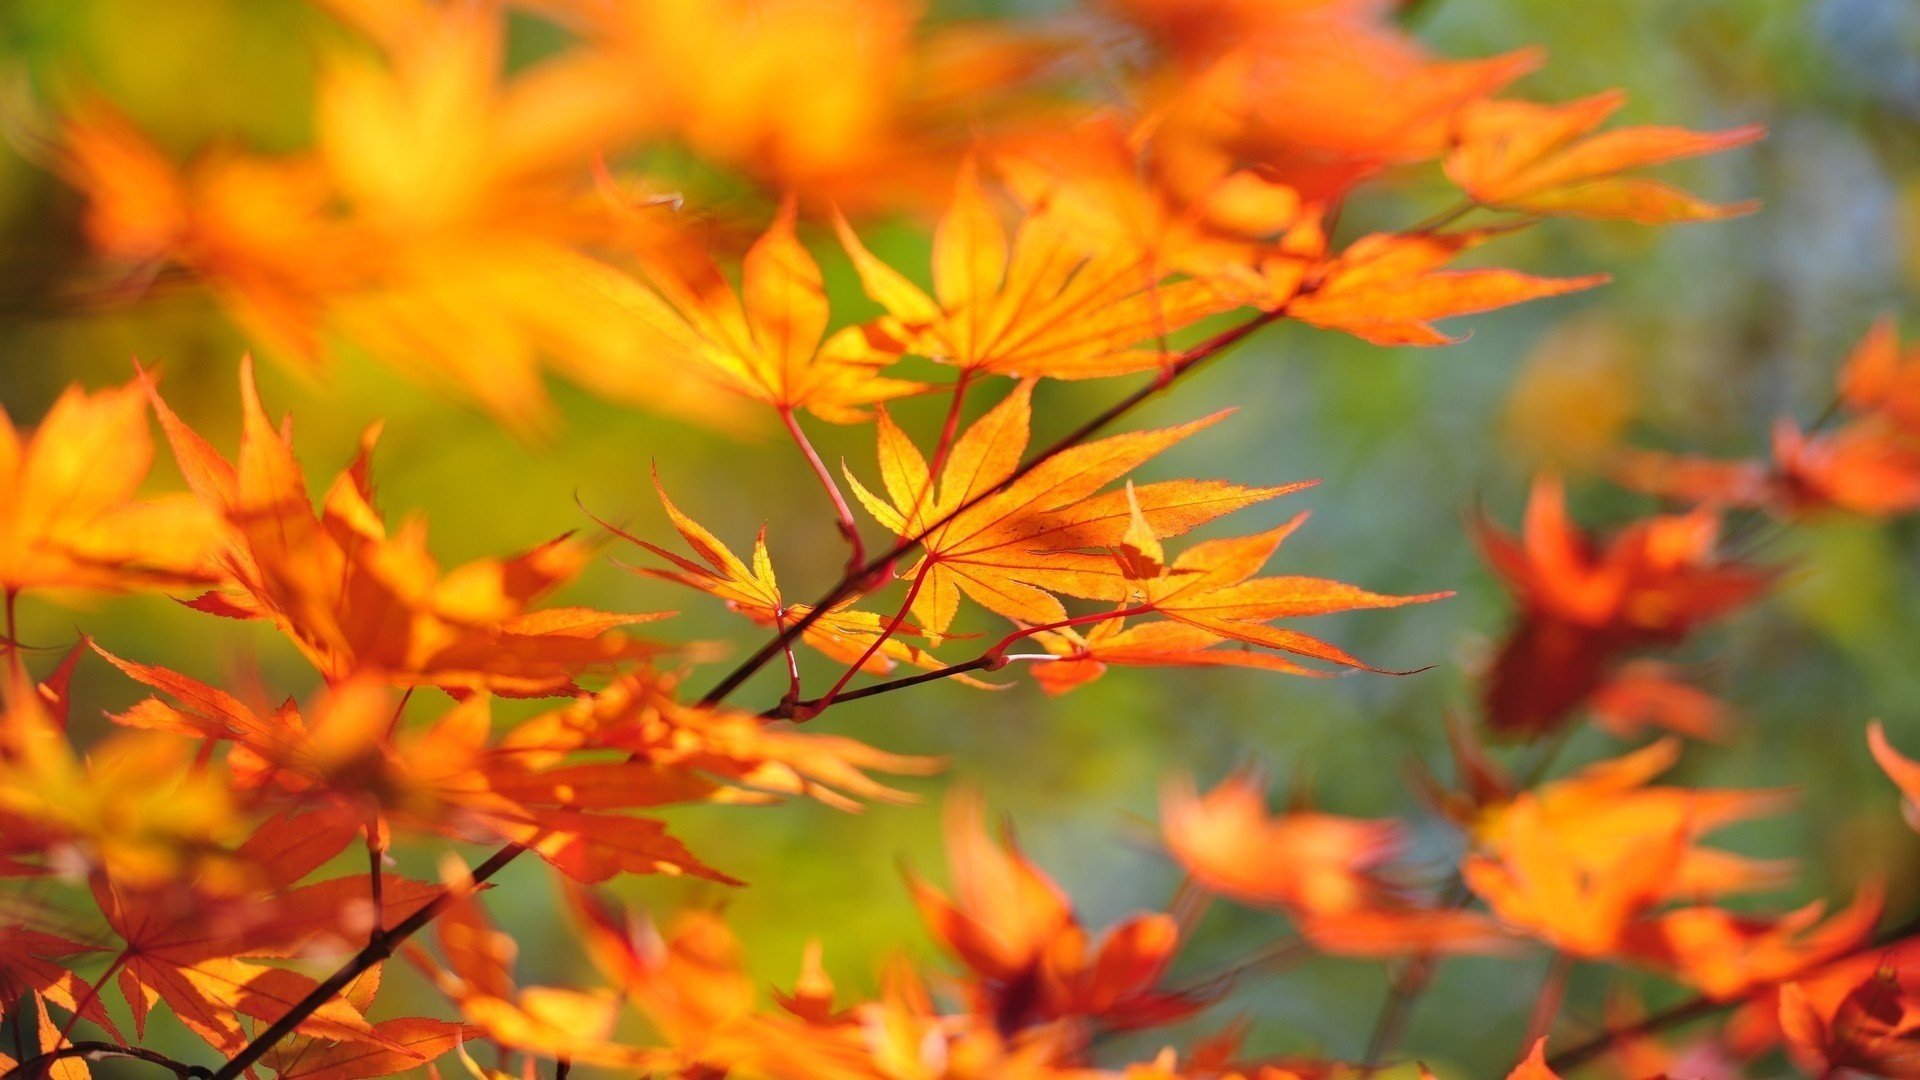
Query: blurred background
x=1708, y=332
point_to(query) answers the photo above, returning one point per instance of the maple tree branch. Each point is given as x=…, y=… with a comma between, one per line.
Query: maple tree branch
x=992, y=660
x=375, y=952
x=14, y=663
x=845, y=587
x=788, y=709
x=94, y=1051
x=1700, y=1007
x=849, y=528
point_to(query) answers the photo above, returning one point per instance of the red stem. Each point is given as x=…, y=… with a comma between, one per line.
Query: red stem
x=947, y=431
x=899, y=617
x=842, y=512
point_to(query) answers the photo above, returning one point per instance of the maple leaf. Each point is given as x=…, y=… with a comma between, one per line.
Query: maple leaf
x=357, y=599
x=689, y=979
x=1579, y=861
x=551, y=1021
x=1010, y=544
x=1868, y=465
x=28, y=965
x=1584, y=602
x=1078, y=659
x=72, y=519
x=436, y=221
x=1328, y=872
x=445, y=777
x=1029, y=959
x=1320, y=96
x=1173, y=205
x=130, y=804
x=1902, y=770
x=753, y=591
x=1725, y=955
x=1646, y=693
x=640, y=716
x=1873, y=1029
x=1038, y=306
x=409, y=1042
x=1211, y=587
x=1882, y=379
x=765, y=342
x=1517, y=155
x=195, y=944
x=1388, y=288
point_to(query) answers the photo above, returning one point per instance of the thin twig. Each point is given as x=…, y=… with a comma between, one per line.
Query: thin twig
x=893, y=625
x=843, y=514
x=94, y=1051
x=991, y=660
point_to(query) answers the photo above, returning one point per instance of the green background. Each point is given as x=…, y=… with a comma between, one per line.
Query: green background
x=1707, y=334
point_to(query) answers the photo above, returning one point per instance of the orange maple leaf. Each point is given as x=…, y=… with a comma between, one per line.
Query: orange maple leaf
x=1330, y=873
x=1010, y=544
x=1042, y=305
x=765, y=341
x=841, y=633
x=551, y=1021
x=1388, y=288
x=1578, y=862
x=72, y=518
x=357, y=599
x=1028, y=957
x=1585, y=602
x=1517, y=155
x=1726, y=955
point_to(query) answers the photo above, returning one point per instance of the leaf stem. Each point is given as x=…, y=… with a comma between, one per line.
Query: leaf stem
x=843, y=513
x=1553, y=989
x=893, y=625
x=947, y=431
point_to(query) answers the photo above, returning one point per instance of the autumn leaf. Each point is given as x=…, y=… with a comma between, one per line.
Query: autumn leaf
x=1037, y=306
x=1330, y=873
x=841, y=633
x=1389, y=288
x=357, y=599
x=1544, y=159
x=1579, y=861
x=1012, y=544
x=1028, y=958
x=765, y=341
x=1726, y=954
x=474, y=973
x=73, y=518
x=1586, y=601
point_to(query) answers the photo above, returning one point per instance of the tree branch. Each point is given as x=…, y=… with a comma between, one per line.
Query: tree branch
x=376, y=951
x=94, y=1051
x=1703, y=1006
